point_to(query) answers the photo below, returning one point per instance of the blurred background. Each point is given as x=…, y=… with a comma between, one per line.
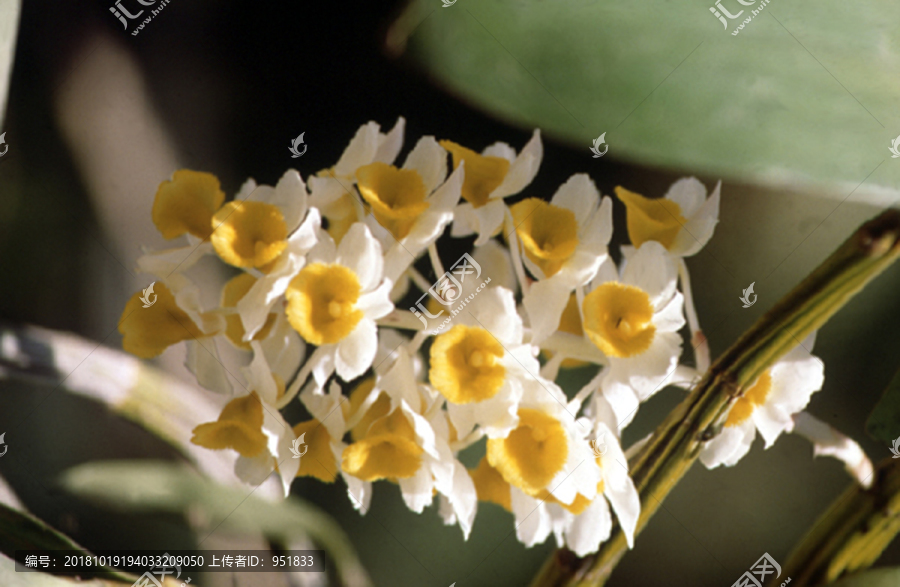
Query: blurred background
x=96, y=118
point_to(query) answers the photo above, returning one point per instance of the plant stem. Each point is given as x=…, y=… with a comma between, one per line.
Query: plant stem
x=852, y=533
x=676, y=443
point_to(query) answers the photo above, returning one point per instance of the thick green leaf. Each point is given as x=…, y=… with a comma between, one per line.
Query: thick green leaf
x=884, y=421
x=874, y=578
x=157, y=486
x=21, y=531
x=804, y=96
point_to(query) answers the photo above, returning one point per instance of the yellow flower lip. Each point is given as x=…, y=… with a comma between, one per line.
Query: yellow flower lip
x=239, y=427
x=322, y=303
x=532, y=454
x=388, y=451
x=617, y=318
x=186, y=204
x=465, y=364
x=396, y=196
x=147, y=332
x=319, y=461
x=483, y=174
x=657, y=220
x=379, y=409
x=490, y=485
x=248, y=234
x=752, y=398
x=549, y=233
x=236, y=288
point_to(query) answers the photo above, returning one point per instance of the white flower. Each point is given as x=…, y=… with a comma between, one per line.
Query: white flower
x=564, y=244
x=411, y=205
x=480, y=364
x=634, y=320
x=495, y=174
x=683, y=221
x=556, y=484
x=334, y=300
x=332, y=189
x=767, y=406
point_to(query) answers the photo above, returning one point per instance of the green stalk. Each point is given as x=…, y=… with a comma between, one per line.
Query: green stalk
x=852, y=533
x=676, y=443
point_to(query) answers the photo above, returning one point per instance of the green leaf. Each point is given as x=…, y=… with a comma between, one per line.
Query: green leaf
x=159, y=486
x=21, y=531
x=884, y=421
x=804, y=96
x=873, y=578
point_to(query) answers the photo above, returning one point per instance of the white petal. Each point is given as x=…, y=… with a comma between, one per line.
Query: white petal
x=670, y=318
x=650, y=371
x=589, y=529
x=360, y=493
x=418, y=490
x=579, y=195
x=202, y=360
x=545, y=303
x=292, y=198
x=323, y=363
x=283, y=348
x=429, y=160
x=361, y=253
x=652, y=270
x=598, y=229
x=689, y=193
x=357, y=350
x=532, y=519
x=259, y=376
x=622, y=398
x=464, y=221
x=500, y=149
x=326, y=407
x=720, y=449
x=494, y=309
x=495, y=261
x=699, y=228
x=389, y=145
x=488, y=220
x=377, y=303
x=523, y=169
x=164, y=263
x=399, y=382
x=255, y=470
x=463, y=498
x=829, y=442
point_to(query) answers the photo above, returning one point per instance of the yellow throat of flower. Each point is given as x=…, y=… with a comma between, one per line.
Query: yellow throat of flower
x=249, y=234
x=549, y=233
x=532, y=454
x=321, y=303
x=396, y=196
x=752, y=398
x=388, y=451
x=617, y=318
x=186, y=204
x=657, y=220
x=483, y=174
x=465, y=364
x=239, y=427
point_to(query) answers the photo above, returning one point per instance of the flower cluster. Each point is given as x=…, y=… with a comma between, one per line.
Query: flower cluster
x=314, y=312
